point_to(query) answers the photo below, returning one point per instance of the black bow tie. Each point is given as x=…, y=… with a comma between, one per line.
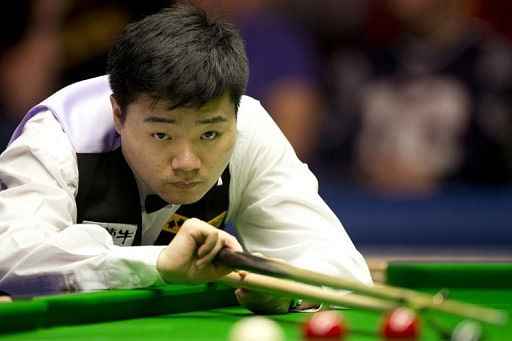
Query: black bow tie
x=154, y=203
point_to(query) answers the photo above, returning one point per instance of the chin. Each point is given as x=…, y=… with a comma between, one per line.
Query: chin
x=185, y=199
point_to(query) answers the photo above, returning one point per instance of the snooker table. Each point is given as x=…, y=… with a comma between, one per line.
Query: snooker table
x=208, y=312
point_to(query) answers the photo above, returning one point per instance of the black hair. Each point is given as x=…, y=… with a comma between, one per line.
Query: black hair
x=181, y=55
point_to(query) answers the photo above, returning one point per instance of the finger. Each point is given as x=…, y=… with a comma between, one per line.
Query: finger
x=262, y=303
x=224, y=240
x=253, y=295
x=263, y=256
x=210, y=239
x=205, y=236
x=210, y=256
x=212, y=252
x=243, y=295
x=231, y=242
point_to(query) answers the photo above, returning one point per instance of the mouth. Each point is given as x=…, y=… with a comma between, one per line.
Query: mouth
x=184, y=185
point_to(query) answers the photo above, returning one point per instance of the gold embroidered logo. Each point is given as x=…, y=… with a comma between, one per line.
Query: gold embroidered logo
x=174, y=223
x=217, y=220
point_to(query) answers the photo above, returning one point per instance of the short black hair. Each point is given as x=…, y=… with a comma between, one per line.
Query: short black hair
x=179, y=54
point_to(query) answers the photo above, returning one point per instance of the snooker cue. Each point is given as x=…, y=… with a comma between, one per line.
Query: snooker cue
x=311, y=293
x=416, y=300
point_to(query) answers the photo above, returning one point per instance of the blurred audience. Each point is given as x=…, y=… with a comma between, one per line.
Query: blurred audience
x=30, y=58
x=59, y=42
x=283, y=65
x=47, y=44
x=416, y=92
x=430, y=108
x=497, y=14
x=89, y=30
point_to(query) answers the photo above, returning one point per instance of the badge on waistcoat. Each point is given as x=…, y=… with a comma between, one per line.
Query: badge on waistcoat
x=174, y=223
x=122, y=234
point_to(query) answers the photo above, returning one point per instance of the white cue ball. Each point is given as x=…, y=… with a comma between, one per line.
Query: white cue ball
x=256, y=328
x=467, y=331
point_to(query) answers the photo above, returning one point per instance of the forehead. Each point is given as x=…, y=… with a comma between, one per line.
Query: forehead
x=147, y=106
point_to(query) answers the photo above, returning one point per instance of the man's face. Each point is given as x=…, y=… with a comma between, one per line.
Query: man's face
x=178, y=153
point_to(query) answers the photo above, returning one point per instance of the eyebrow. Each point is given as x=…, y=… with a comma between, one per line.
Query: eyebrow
x=214, y=119
x=209, y=120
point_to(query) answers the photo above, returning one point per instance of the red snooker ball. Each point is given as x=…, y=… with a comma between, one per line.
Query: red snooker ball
x=400, y=323
x=323, y=325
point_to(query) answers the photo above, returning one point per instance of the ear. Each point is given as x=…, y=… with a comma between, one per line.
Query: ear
x=116, y=112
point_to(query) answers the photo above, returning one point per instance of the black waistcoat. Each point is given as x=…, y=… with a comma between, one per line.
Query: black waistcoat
x=108, y=194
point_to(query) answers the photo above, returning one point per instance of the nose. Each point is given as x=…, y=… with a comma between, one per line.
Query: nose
x=185, y=159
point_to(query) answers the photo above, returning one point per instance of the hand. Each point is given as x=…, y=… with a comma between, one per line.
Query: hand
x=261, y=303
x=189, y=257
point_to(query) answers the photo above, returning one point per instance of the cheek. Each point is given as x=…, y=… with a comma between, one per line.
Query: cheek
x=230, y=145
x=131, y=154
x=225, y=149
x=215, y=159
x=140, y=156
x=134, y=149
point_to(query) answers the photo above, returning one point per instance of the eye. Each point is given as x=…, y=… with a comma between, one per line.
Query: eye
x=160, y=136
x=210, y=135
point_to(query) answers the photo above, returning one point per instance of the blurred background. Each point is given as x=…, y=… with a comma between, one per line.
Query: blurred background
x=402, y=108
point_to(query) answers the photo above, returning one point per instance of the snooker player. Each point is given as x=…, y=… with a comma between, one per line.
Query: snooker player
x=126, y=180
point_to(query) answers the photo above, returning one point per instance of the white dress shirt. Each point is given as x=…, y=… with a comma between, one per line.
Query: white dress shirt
x=274, y=207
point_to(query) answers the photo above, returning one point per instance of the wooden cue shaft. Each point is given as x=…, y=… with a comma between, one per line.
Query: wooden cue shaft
x=288, y=288
x=417, y=300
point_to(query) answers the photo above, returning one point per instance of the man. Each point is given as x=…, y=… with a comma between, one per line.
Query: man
x=86, y=171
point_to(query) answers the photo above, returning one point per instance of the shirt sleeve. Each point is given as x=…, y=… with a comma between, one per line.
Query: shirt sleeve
x=42, y=249
x=276, y=209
